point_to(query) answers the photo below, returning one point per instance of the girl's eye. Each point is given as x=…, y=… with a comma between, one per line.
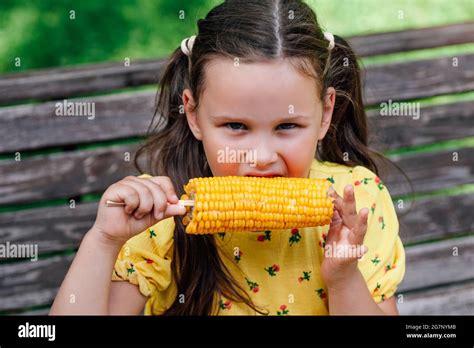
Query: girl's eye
x=287, y=125
x=241, y=126
x=235, y=125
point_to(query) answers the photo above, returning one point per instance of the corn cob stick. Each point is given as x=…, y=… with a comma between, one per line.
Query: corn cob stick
x=239, y=203
x=185, y=203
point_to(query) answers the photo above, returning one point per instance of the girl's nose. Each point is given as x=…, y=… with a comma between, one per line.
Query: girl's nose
x=265, y=156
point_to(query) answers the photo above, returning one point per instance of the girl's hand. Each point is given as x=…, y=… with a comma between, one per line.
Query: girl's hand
x=147, y=201
x=344, y=242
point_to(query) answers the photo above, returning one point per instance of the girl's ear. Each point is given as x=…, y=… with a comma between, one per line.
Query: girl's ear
x=328, y=108
x=191, y=114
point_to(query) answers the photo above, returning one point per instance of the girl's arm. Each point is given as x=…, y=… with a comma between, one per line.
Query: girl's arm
x=88, y=289
x=349, y=295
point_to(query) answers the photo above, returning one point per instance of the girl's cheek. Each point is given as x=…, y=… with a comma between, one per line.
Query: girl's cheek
x=298, y=156
x=224, y=169
x=220, y=159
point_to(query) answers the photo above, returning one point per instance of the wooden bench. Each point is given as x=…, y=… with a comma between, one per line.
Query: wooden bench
x=49, y=196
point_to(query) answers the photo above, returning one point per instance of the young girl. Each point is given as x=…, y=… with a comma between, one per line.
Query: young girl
x=260, y=76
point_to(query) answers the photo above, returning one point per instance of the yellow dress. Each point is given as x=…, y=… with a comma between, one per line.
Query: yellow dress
x=280, y=269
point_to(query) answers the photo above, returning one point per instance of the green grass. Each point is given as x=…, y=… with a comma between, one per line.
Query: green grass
x=436, y=100
x=102, y=144
x=31, y=154
x=91, y=197
x=429, y=53
x=34, y=205
x=24, y=310
x=450, y=191
x=41, y=256
x=359, y=17
x=60, y=150
x=136, y=89
x=42, y=33
x=454, y=236
x=455, y=144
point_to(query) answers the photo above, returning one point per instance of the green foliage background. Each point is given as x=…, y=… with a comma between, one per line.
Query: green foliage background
x=41, y=33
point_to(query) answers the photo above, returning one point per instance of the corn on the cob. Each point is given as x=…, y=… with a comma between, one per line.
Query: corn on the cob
x=239, y=203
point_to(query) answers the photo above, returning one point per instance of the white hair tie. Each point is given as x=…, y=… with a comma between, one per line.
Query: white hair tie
x=330, y=38
x=187, y=45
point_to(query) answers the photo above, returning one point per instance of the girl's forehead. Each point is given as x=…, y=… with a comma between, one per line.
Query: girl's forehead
x=269, y=87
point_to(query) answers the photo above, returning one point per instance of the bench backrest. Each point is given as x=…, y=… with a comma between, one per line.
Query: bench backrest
x=53, y=169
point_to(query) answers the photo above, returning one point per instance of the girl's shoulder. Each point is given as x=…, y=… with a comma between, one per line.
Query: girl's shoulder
x=341, y=175
x=338, y=169
x=145, y=260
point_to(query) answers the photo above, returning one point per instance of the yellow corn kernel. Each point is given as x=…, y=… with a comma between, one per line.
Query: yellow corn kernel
x=237, y=203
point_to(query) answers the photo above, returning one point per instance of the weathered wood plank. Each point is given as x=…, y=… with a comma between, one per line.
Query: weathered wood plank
x=435, y=124
x=419, y=79
x=430, y=171
x=437, y=264
x=72, y=81
x=37, y=312
x=435, y=217
x=27, y=284
x=71, y=174
x=52, y=229
x=67, y=174
x=447, y=300
x=409, y=40
x=37, y=126
x=129, y=115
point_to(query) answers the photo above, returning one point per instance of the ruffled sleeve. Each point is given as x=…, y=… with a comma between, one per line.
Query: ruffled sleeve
x=145, y=260
x=383, y=267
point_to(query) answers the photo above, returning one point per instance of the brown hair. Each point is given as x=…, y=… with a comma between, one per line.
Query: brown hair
x=252, y=30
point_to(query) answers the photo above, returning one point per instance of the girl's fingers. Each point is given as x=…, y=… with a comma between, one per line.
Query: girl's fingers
x=145, y=195
x=358, y=232
x=174, y=209
x=167, y=187
x=349, y=213
x=334, y=228
x=159, y=198
x=163, y=207
x=337, y=200
x=162, y=202
x=168, y=195
x=129, y=196
x=345, y=206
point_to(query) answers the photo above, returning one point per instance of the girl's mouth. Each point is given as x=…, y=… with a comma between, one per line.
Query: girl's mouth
x=265, y=175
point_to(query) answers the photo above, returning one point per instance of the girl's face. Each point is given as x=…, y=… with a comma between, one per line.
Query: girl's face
x=259, y=119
